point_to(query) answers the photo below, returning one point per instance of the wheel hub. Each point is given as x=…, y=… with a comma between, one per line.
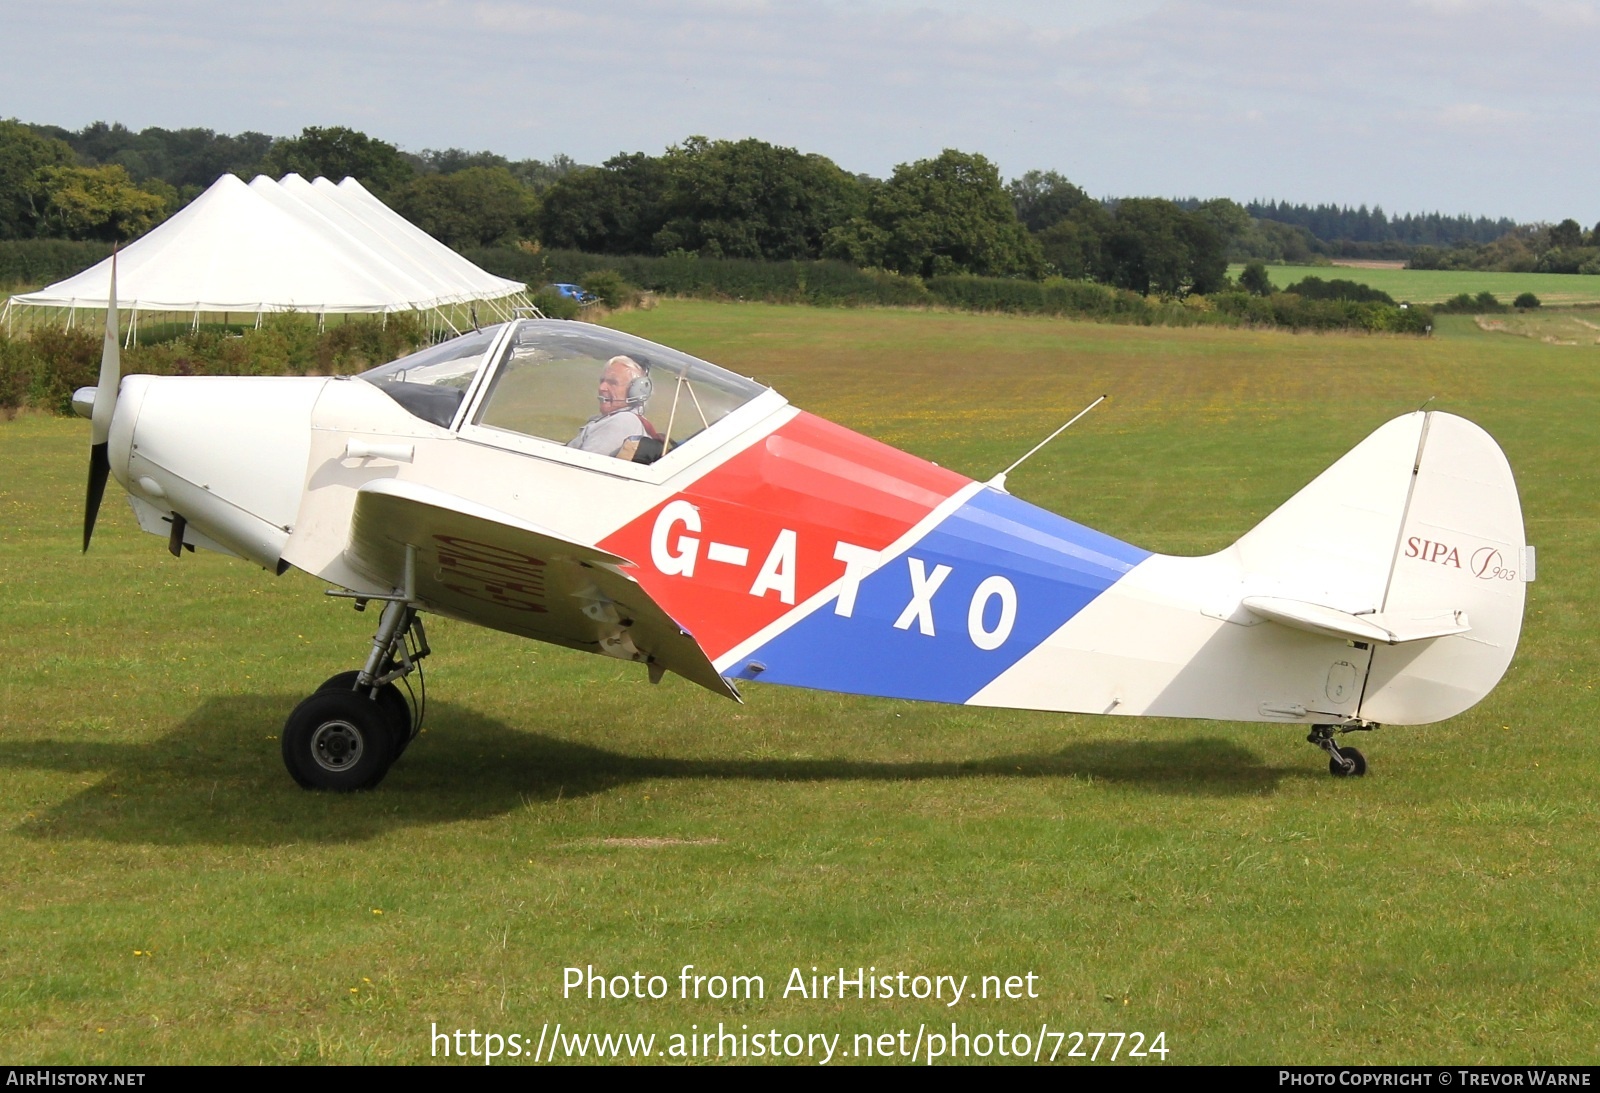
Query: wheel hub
x=336, y=746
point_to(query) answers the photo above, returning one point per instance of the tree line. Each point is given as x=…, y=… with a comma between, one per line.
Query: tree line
x=108, y=183
x=950, y=214
x=1339, y=223
x=1551, y=248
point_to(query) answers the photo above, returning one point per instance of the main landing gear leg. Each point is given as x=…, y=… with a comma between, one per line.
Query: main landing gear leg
x=1345, y=762
x=348, y=733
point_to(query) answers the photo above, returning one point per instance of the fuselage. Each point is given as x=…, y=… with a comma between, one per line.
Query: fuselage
x=793, y=550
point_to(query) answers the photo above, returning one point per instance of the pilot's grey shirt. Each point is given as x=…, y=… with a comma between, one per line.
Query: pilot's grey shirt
x=605, y=434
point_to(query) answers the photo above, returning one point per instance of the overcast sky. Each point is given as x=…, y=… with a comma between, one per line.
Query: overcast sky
x=1418, y=105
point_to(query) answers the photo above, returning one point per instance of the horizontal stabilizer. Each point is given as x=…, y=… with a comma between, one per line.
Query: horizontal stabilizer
x=1378, y=627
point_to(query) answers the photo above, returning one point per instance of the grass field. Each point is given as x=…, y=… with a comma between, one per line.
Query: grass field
x=1566, y=326
x=170, y=896
x=1426, y=286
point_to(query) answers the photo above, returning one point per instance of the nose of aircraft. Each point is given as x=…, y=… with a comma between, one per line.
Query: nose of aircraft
x=228, y=454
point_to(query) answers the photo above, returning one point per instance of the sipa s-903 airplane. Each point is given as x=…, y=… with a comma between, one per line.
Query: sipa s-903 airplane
x=701, y=525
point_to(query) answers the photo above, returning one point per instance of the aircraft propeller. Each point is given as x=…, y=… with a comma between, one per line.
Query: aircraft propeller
x=105, y=405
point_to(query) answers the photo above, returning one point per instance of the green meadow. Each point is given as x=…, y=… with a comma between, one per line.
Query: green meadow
x=1432, y=286
x=170, y=896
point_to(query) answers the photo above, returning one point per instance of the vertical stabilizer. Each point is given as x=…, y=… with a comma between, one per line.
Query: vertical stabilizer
x=1460, y=549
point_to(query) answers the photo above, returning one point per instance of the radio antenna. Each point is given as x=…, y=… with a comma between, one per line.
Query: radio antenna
x=999, y=481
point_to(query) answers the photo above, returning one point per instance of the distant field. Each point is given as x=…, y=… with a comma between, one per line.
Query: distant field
x=1425, y=286
x=170, y=896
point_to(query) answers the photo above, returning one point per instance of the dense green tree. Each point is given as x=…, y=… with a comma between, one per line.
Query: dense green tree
x=1566, y=234
x=1568, y=260
x=100, y=143
x=541, y=174
x=1045, y=198
x=198, y=157
x=939, y=216
x=1271, y=241
x=172, y=199
x=1071, y=246
x=1144, y=250
x=615, y=208
x=751, y=199
x=96, y=203
x=1227, y=218
x=338, y=152
x=1254, y=280
x=433, y=161
x=1315, y=288
x=24, y=153
x=536, y=175
x=187, y=159
x=1154, y=246
x=859, y=241
x=1208, y=257
x=474, y=207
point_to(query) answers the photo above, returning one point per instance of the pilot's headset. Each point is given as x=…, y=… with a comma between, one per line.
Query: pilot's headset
x=640, y=388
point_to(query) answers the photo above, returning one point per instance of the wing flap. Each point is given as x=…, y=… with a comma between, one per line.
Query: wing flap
x=484, y=566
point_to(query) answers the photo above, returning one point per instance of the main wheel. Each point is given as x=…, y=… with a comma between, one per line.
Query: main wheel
x=390, y=700
x=1358, y=764
x=339, y=741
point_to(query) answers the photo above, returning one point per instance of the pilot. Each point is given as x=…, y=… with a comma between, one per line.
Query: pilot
x=624, y=389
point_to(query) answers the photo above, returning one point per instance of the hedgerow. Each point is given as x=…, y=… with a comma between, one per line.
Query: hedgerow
x=42, y=366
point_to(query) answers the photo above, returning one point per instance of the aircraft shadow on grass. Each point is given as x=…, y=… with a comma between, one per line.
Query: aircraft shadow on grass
x=216, y=778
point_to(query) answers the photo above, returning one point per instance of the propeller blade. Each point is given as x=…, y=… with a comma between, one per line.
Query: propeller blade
x=105, y=407
x=99, y=471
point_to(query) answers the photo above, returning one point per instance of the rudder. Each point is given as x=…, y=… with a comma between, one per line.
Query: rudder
x=1461, y=547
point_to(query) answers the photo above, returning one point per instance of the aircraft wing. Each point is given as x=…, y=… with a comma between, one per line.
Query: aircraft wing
x=484, y=566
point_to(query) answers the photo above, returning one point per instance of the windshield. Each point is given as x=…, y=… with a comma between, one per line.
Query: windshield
x=606, y=392
x=432, y=382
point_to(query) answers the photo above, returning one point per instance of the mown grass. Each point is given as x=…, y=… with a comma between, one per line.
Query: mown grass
x=1565, y=326
x=170, y=896
x=1432, y=286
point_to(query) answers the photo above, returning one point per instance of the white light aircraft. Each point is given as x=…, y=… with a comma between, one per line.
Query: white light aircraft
x=701, y=525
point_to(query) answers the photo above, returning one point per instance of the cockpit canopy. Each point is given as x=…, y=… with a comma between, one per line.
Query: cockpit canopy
x=543, y=378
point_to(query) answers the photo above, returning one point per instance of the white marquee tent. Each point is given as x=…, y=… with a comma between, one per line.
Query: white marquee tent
x=289, y=245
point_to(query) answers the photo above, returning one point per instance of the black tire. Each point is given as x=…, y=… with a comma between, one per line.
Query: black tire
x=390, y=700
x=338, y=741
x=1357, y=760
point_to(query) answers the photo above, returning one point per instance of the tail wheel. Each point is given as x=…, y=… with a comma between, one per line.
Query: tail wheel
x=339, y=741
